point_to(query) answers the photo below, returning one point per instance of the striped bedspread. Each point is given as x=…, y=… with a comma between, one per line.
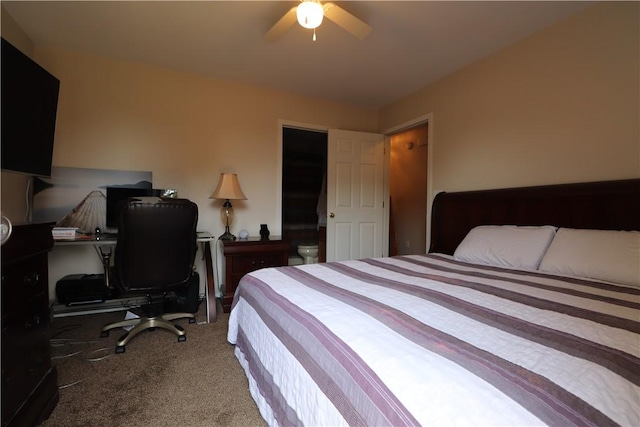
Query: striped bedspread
x=426, y=340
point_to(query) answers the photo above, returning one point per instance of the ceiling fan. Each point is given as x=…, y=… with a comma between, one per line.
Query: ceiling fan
x=309, y=14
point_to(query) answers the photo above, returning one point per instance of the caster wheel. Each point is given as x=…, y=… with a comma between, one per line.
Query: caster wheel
x=104, y=334
x=182, y=338
x=192, y=320
x=120, y=349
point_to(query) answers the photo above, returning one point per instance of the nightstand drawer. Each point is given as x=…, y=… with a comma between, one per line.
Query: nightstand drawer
x=23, y=281
x=245, y=264
x=245, y=256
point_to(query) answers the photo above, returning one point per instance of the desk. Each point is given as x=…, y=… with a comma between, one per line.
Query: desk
x=203, y=238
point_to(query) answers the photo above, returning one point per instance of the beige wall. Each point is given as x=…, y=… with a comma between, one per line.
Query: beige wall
x=185, y=128
x=559, y=106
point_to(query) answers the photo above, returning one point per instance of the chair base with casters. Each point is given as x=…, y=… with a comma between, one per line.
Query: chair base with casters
x=148, y=323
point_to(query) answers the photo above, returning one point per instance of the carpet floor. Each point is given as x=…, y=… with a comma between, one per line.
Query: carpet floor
x=157, y=382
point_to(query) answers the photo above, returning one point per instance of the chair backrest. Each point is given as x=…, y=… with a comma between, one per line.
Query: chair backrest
x=156, y=244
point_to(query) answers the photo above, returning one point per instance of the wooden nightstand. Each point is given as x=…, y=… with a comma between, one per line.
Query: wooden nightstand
x=244, y=256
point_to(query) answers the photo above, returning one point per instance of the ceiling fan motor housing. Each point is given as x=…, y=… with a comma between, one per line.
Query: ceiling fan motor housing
x=310, y=14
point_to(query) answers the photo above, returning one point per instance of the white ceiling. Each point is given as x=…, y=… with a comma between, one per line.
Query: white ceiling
x=412, y=44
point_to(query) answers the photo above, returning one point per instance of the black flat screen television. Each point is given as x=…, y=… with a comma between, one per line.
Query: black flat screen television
x=115, y=195
x=29, y=109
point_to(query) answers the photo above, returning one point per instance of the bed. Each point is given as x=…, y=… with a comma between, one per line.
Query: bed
x=525, y=311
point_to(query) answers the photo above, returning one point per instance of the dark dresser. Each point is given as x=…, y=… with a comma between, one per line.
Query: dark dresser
x=244, y=256
x=29, y=381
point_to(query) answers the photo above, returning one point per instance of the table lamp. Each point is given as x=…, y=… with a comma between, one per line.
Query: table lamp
x=228, y=189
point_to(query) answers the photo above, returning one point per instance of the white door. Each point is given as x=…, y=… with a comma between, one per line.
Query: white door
x=355, y=205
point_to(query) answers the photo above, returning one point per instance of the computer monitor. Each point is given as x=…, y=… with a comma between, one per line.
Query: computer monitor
x=115, y=195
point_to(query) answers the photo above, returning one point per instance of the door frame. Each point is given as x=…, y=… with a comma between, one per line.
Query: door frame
x=296, y=125
x=323, y=128
x=426, y=118
x=420, y=120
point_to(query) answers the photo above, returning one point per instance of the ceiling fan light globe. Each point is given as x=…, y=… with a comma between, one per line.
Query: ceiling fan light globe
x=310, y=14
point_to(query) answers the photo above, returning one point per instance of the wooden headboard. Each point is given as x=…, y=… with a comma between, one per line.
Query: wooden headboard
x=605, y=205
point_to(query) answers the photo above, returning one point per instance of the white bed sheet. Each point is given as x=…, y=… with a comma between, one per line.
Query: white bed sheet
x=431, y=388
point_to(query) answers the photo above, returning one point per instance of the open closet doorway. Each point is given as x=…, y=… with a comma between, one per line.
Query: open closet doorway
x=408, y=191
x=304, y=168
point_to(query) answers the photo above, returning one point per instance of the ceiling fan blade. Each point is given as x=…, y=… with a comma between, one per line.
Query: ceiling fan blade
x=282, y=26
x=346, y=20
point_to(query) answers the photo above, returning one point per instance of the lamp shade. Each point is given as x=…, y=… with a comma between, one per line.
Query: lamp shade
x=228, y=188
x=310, y=14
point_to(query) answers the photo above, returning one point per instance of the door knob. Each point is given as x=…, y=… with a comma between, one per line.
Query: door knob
x=332, y=215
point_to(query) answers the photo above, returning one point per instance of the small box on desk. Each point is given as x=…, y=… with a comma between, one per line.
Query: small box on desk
x=82, y=289
x=64, y=232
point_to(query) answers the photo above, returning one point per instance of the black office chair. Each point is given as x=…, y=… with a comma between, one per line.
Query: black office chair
x=154, y=254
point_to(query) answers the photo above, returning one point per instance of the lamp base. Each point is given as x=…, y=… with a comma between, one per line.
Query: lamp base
x=227, y=236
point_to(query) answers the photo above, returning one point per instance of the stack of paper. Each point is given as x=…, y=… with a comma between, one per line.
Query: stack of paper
x=64, y=232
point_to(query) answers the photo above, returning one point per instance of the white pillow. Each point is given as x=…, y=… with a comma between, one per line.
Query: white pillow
x=608, y=255
x=505, y=245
